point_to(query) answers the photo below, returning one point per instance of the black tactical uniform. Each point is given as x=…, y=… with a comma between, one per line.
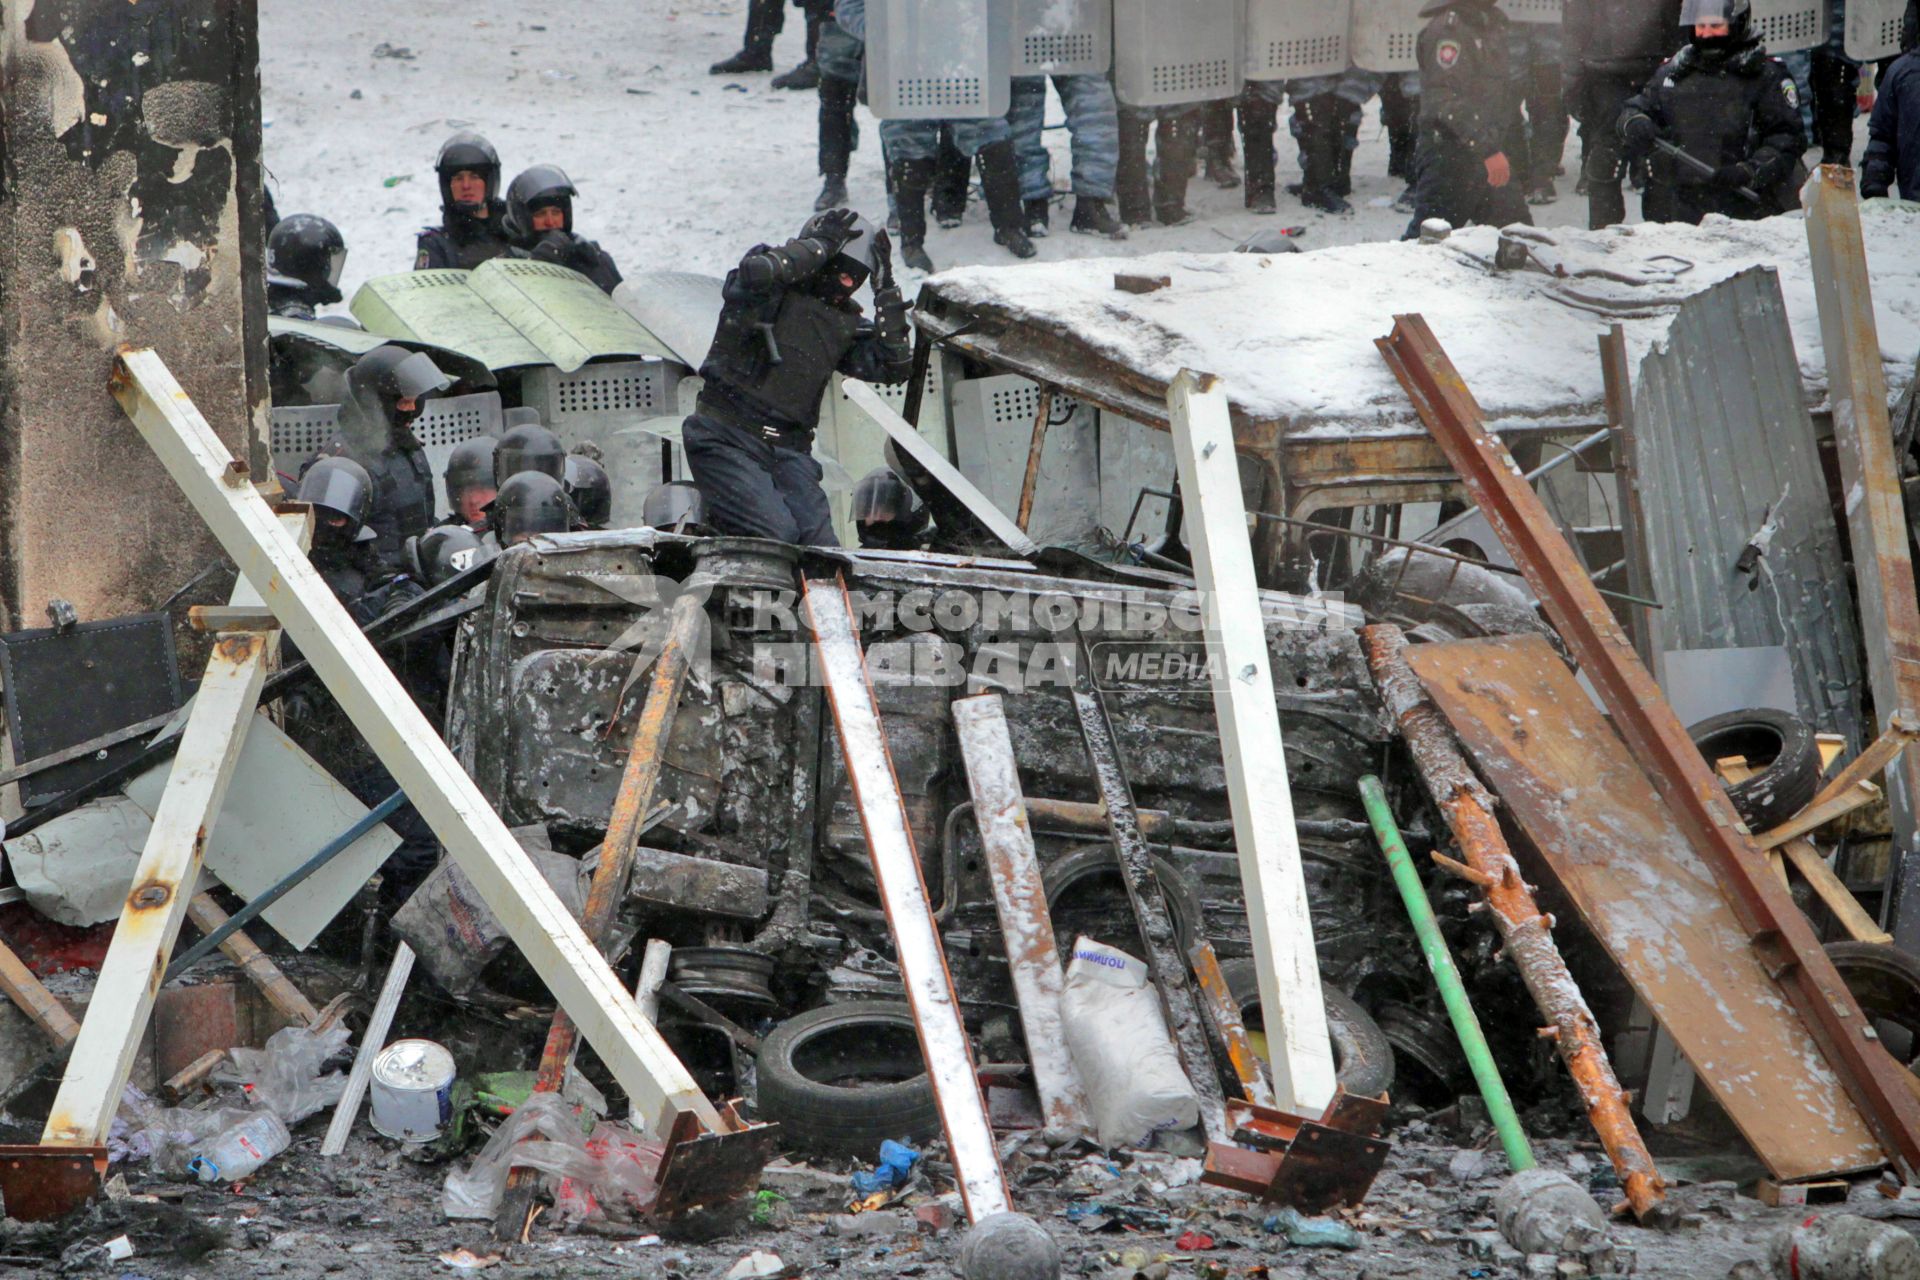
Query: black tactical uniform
x=467, y=235
x=546, y=186
x=1467, y=114
x=788, y=324
x=375, y=433
x=1731, y=107
x=1612, y=48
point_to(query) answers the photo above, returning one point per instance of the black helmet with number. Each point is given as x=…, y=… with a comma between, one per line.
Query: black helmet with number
x=307, y=252
x=591, y=490
x=445, y=551
x=543, y=186
x=676, y=507
x=529, y=448
x=530, y=502
x=377, y=384
x=466, y=152
x=886, y=511
x=341, y=493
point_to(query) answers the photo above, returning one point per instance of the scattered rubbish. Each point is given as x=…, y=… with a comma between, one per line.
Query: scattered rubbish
x=1545, y=1211
x=396, y=179
x=468, y=1260
x=119, y=1249
x=1009, y=1246
x=450, y=927
x=938, y=1216
x=759, y=1265
x=615, y=1167
x=285, y=1077
x=1193, y=1242
x=1311, y=1233
x=1117, y=1033
x=1842, y=1246
x=767, y=1208
x=412, y=1090
x=894, y=1170
x=235, y=1154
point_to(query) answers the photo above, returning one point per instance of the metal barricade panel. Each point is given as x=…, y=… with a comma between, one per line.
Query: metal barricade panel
x=1166, y=55
x=1287, y=39
x=601, y=402
x=939, y=59
x=1788, y=26
x=300, y=433
x=1062, y=37
x=1547, y=11
x=1385, y=36
x=992, y=435
x=1873, y=29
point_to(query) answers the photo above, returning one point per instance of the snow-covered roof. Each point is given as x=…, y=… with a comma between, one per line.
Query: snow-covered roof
x=1292, y=335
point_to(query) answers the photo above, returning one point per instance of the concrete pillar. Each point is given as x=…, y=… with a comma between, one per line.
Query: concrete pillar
x=130, y=213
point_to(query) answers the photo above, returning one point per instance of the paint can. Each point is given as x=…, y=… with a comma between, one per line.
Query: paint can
x=412, y=1090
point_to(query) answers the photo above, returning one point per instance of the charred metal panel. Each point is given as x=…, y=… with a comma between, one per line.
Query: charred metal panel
x=1722, y=439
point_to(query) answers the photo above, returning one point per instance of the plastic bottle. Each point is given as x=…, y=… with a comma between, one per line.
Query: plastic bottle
x=233, y=1154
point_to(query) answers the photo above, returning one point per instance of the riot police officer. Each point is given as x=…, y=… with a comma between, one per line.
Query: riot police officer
x=677, y=506
x=469, y=482
x=470, y=209
x=787, y=324
x=539, y=221
x=444, y=551
x=886, y=513
x=1467, y=115
x=1729, y=116
x=386, y=390
x=530, y=503
x=590, y=490
x=305, y=255
x=528, y=447
x=341, y=494
x=1612, y=47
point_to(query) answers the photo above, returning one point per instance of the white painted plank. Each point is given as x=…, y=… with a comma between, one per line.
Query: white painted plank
x=1020, y=896
x=379, y=1022
x=407, y=745
x=903, y=891
x=122, y=999
x=1250, y=743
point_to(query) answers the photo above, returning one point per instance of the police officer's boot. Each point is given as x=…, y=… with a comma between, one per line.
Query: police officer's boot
x=1093, y=217
x=1401, y=116
x=1000, y=180
x=911, y=181
x=764, y=20
x=1259, y=121
x=952, y=183
x=1321, y=143
x=1348, y=116
x=1039, y=217
x=1219, y=144
x=836, y=141
x=1131, y=182
x=1178, y=145
x=807, y=74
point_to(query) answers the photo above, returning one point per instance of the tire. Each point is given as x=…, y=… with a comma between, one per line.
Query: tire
x=1362, y=1057
x=1886, y=982
x=807, y=1067
x=1081, y=871
x=1782, y=743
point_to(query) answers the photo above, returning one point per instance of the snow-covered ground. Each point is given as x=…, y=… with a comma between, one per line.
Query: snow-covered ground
x=676, y=169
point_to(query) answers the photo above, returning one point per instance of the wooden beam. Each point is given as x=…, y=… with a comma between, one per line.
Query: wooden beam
x=1036, y=451
x=1833, y=892
x=903, y=892
x=1875, y=505
x=40, y=1005
x=379, y=1022
x=1818, y=815
x=286, y=998
x=410, y=748
x=1271, y=873
x=89, y=1095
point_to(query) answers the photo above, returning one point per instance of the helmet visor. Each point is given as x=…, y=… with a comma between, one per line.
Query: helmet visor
x=1694, y=13
x=418, y=376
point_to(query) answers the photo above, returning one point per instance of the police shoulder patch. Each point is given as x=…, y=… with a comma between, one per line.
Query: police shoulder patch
x=1448, y=53
x=1791, y=90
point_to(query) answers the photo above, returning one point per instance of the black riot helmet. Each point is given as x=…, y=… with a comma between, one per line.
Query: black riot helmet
x=529, y=448
x=1736, y=14
x=676, y=507
x=543, y=186
x=855, y=258
x=445, y=551
x=470, y=467
x=467, y=151
x=375, y=387
x=341, y=493
x=590, y=489
x=886, y=511
x=530, y=502
x=307, y=252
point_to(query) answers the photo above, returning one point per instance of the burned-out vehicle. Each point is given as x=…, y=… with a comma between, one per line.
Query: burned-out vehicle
x=755, y=867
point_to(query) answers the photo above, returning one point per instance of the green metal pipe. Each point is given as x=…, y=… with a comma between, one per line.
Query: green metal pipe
x=1513, y=1139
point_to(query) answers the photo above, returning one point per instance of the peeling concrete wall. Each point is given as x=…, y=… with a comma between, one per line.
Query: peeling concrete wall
x=130, y=213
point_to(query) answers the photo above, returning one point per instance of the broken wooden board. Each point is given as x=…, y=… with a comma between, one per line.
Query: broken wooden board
x=1617, y=851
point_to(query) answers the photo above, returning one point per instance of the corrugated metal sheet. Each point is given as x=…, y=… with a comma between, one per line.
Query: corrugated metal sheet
x=1722, y=435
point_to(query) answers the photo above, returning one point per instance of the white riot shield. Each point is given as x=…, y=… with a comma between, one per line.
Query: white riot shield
x=1169, y=52
x=1873, y=29
x=1385, y=36
x=1062, y=37
x=939, y=59
x=1791, y=25
x=1290, y=39
x=1531, y=10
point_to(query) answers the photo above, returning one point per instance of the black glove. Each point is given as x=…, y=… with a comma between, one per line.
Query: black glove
x=834, y=229
x=558, y=248
x=1639, y=132
x=882, y=263
x=1731, y=177
x=890, y=314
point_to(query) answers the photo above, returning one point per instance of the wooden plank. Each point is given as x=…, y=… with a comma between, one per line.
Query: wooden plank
x=1621, y=857
x=252, y=961
x=903, y=892
x=40, y=1005
x=1271, y=873
x=89, y=1095
x=1839, y=899
x=409, y=747
x=1020, y=898
x=379, y=1022
x=1818, y=815
x=1875, y=505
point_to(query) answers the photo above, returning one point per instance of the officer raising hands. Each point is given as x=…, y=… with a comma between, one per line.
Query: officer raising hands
x=1468, y=111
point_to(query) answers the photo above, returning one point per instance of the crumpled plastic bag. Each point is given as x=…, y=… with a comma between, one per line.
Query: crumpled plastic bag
x=893, y=1172
x=165, y=1136
x=545, y=1134
x=285, y=1076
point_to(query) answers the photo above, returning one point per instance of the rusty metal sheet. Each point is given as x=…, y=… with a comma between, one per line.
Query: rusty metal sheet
x=43, y=1184
x=1622, y=858
x=1723, y=447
